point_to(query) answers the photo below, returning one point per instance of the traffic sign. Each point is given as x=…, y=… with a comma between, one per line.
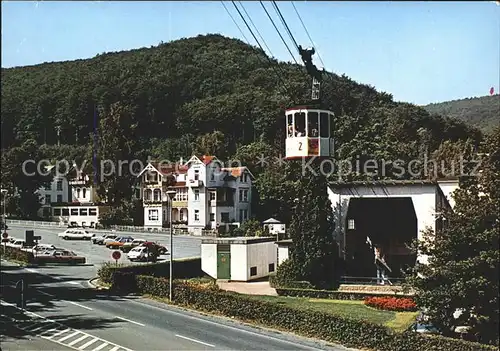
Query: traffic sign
x=5, y=235
x=116, y=255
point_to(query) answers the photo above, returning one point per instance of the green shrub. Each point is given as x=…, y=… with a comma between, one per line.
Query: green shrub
x=310, y=323
x=184, y=268
x=286, y=277
x=329, y=294
x=13, y=253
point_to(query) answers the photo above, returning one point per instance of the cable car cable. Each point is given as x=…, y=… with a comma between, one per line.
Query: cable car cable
x=307, y=32
x=255, y=27
x=276, y=8
x=279, y=33
x=248, y=42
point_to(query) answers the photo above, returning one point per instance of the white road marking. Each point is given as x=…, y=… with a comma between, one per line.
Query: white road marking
x=31, y=270
x=100, y=346
x=45, y=293
x=116, y=348
x=81, y=338
x=47, y=322
x=73, y=282
x=128, y=320
x=82, y=306
x=221, y=325
x=87, y=344
x=194, y=340
x=68, y=336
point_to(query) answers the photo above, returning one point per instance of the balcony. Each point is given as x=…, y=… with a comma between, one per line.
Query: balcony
x=77, y=182
x=221, y=203
x=152, y=202
x=179, y=204
x=195, y=183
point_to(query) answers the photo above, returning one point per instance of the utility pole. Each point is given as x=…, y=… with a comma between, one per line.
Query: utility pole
x=58, y=128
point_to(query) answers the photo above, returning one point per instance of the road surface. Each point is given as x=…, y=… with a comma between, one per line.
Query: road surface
x=64, y=312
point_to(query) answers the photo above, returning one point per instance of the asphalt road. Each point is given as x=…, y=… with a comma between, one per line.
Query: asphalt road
x=184, y=246
x=63, y=311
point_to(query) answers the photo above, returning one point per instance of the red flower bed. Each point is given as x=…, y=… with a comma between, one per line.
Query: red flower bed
x=391, y=303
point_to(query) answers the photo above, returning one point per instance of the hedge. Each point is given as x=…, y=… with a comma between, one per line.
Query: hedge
x=13, y=253
x=330, y=294
x=183, y=268
x=309, y=323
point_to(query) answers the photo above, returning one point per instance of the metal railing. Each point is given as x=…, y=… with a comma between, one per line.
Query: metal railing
x=113, y=228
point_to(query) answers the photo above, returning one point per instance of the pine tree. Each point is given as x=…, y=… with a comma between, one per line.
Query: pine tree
x=463, y=267
x=313, y=252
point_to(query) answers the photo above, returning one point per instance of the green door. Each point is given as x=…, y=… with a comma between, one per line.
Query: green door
x=223, y=265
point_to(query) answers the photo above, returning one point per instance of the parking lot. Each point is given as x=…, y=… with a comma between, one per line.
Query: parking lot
x=184, y=246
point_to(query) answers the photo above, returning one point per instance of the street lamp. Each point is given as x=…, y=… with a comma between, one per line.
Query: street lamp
x=171, y=195
x=4, y=192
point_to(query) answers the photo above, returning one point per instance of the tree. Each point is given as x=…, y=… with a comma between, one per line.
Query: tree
x=313, y=251
x=463, y=264
x=117, y=146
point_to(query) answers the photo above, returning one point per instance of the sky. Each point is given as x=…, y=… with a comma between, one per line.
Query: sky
x=420, y=52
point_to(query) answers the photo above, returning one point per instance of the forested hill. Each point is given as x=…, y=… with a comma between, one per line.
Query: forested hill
x=209, y=92
x=481, y=112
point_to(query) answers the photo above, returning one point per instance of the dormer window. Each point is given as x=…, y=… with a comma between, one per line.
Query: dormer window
x=196, y=174
x=84, y=193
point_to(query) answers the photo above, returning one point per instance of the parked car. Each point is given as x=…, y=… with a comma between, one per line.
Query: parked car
x=17, y=243
x=162, y=250
x=60, y=256
x=126, y=247
x=119, y=242
x=81, y=234
x=99, y=240
x=73, y=225
x=111, y=239
x=3, y=225
x=139, y=253
x=39, y=248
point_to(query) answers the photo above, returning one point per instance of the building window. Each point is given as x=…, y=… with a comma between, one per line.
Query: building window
x=212, y=196
x=153, y=215
x=74, y=212
x=312, y=124
x=196, y=195
x=83, y=211
x=212, y=217
x=57, y=211
x=271, y=267
x=92, y=211
x=137, y=193
x=224, y=217
x=253, y=271
x=157, y=195
x=243, y=215
x=212, y=174
x=59, y=198
x=48, y=199
x=59, y=185
x=300, y=124
x=324, y=125
x=78, y=193
x=351, y=224
x=196, y=215
x=84, y=193
x=65, y=211
x=48, y=187
x=243, y=195
x=196, y=174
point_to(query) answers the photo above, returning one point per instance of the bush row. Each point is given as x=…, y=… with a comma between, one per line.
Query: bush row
x=13, y=253
x=391, y=303
x=328, y=294
x=309, y=323
x=183, y=268
x=276, y=282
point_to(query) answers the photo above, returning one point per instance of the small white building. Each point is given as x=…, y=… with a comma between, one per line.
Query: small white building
x=238, y=259
x=82, y=215
x=283, y=250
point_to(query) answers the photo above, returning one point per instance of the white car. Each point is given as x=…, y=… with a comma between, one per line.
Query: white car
x=17, y=243
x=139, y=253
x=39, y=248
x=81, y=234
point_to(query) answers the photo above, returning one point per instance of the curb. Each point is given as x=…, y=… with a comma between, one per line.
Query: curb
x=92, y=283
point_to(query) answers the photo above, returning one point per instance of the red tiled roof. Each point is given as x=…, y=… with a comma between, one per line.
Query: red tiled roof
x=179, y=185
x=169, y=168
x=235, y=171
x=206, y=159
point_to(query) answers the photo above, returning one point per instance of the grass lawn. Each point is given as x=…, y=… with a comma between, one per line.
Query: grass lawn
x=398, y=321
